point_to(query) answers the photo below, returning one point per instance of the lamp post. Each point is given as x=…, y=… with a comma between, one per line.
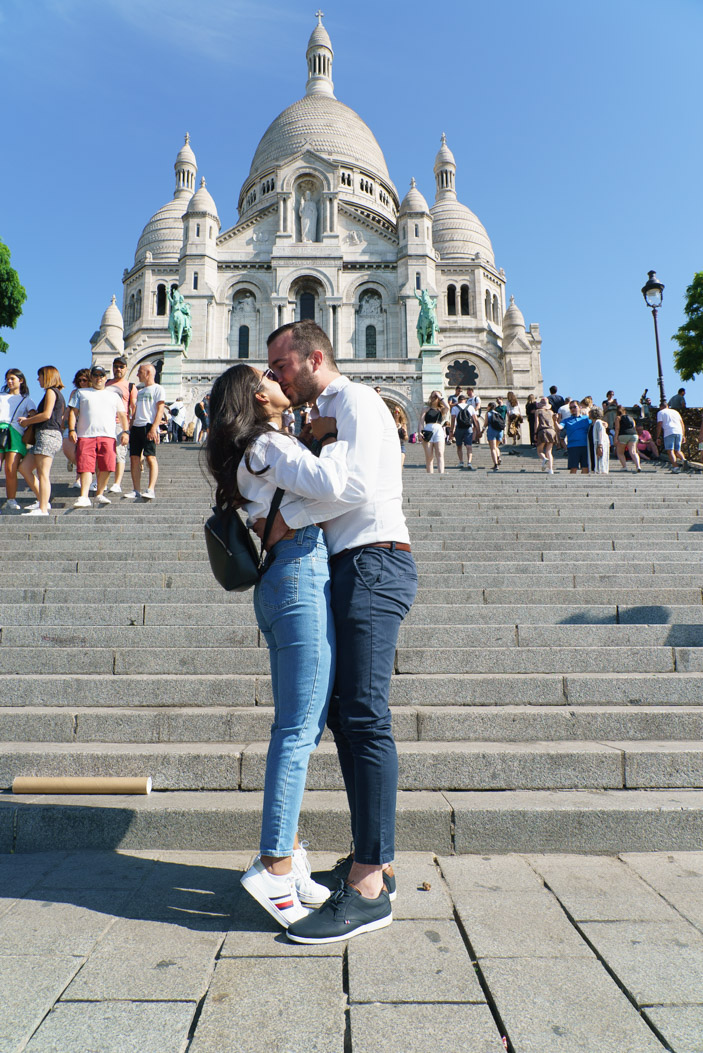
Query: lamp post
x=653, y=293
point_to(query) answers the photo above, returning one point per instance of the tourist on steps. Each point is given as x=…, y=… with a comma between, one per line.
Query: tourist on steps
x=373, y=585
x=250, y=457
x=48, y=427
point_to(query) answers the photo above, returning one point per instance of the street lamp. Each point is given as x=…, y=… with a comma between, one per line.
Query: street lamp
x=653, y=293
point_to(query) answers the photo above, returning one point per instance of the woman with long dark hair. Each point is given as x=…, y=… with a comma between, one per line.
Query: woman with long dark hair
x=14, y=403
x=249, y=457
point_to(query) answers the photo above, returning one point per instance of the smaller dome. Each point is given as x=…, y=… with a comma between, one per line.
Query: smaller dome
x=413, y=201
x=112, y=316
x=185, y=154
x=513, y=317
x=444, y=155
x=202, y=201
x=163, y=234
x=457, y=233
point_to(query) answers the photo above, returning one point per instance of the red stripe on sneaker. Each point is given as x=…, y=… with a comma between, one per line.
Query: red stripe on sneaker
x=284, y=905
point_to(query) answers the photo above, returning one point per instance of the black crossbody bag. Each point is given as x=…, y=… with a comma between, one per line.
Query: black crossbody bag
x=236, y=564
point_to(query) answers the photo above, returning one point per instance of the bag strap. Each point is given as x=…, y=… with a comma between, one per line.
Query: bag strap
x=275, y=505
x=19, y=406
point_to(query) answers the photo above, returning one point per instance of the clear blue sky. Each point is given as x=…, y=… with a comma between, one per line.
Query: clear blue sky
x=576, y=130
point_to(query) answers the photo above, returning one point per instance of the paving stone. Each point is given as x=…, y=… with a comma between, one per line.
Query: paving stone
x=419, y=1028
x=681, y=1026
x=30, y=984
x=658, y=962
x=413, y=871
x=103, y=1027
x=518, y=924
x=55, y=922
x=598, y=888
x=500, y=873
x=147, y=961
x=677, y=876
x=412, y=961
x=255, y=1005
x=549, y=1005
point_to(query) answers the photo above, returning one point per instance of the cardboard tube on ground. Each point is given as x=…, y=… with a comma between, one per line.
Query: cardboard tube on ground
x=81, y=784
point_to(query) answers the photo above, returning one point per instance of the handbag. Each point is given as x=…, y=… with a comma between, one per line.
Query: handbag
x=232, y=553
x=427, y=434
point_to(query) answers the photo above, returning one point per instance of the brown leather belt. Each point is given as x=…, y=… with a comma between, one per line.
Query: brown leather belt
x=284, y=537
x=400, y=546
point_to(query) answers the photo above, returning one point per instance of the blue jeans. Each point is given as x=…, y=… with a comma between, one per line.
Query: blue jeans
x=292, y=604
x=372, y=591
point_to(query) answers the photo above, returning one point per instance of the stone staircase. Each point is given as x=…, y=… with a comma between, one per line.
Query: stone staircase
x=548, y=692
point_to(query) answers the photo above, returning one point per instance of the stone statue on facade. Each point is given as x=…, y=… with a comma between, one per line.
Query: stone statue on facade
x=308, y=218
x=427, y=325
x=179, y=325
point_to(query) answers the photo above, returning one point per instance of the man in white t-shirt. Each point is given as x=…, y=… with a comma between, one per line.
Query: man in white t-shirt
x=144, y=433
x=91, y=425
x=670, y=426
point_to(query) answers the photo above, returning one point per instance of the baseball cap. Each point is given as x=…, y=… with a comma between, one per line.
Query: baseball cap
x=121, y=359
x=98, y=371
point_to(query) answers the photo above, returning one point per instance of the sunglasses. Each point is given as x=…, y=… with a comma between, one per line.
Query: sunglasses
x=268, y=374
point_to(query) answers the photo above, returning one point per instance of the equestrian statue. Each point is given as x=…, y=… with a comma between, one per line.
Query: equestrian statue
x=427, y=325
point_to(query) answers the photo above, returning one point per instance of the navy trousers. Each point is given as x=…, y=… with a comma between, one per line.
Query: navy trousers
x=372, y=591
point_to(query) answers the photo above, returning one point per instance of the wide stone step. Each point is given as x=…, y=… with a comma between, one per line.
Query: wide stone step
x=168, y=637
x=509, y=723
x=439, y=689
x=605, y=821
x=422, y=765
x=234, y=661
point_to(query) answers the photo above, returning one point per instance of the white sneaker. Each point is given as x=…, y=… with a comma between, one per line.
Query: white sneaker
x=115, y=489
x=34, y=505
x=276, y=894
x=148, y=495
x=35, y=512
x=544, y=463
x=82, y=502
x=11, y=505
x=550, y=472
x=102, y=500
x=131, y=496
x=310, y=892
x=93, y=486
x=75, y=485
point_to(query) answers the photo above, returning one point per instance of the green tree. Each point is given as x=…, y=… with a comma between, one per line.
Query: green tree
x=12, y=294
x=688, y=358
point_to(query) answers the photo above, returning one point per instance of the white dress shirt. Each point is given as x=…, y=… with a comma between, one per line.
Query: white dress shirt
x=296, y=470
x=370, y=507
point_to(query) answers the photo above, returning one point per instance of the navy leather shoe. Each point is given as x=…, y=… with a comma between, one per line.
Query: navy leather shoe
x=345, y=914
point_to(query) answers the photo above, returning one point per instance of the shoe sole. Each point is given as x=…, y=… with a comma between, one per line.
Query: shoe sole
x=382, y=923
x=264, y=902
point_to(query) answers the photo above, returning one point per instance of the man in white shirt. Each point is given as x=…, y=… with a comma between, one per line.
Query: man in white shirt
x=374, y=581
x=144, y=433
x=670, y=426
x=91, y=425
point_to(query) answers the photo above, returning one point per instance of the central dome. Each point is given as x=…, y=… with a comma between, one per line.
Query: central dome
x=325, y=125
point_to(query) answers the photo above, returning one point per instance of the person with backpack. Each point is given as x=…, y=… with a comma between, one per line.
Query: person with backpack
x=464, y=423
x=626, y=439
x=494, y=433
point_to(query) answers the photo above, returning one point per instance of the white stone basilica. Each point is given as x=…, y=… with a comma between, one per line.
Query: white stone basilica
x=321, y=234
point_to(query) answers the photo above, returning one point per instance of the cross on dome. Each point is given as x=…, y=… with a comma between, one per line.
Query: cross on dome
x=319, y=15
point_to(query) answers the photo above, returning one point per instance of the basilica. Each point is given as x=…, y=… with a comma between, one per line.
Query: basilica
x=322, y=233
